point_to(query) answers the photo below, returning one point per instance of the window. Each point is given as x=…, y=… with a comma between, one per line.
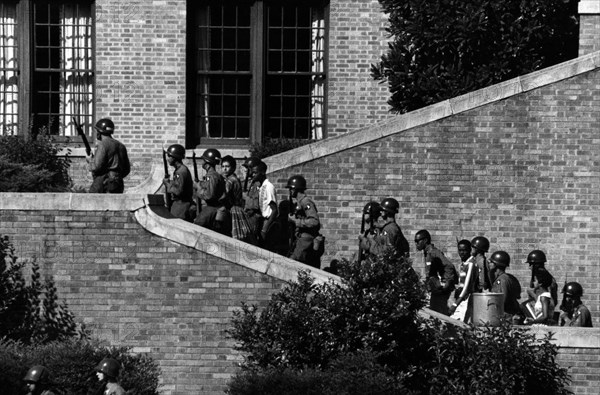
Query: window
x=46, y=66
x=257, y=71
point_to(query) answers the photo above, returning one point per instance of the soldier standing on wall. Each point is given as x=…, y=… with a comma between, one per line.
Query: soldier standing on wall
x=306, y=247
x=110, y=164
x=390, y=234
x=479, y=246
x=181, y=186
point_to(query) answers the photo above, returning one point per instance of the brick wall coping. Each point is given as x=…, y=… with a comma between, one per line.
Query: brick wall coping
x=435, y=112
x=70, y=201
x=589, y=7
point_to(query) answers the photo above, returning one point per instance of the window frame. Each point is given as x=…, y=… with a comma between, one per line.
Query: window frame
x=258, y=71
x=25, y=49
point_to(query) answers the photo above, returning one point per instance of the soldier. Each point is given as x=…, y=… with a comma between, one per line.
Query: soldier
x=441, y=276
x=107, y=372
x=505, y=284
x=574, y=313
x=211, y=191
x=306, y=219
x=251, y=206
x=37, y=380
x=536, y=260
x=390, y=234
x=110, y=164
x=479, y=246
x=181, y=186
x=370, y=214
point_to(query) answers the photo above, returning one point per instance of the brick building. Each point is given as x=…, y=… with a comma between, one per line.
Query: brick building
x=515, y=162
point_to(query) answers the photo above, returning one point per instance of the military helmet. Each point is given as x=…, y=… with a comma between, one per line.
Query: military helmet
x=500, y=259
x=251, y=162
x=480, y=243
x=372, y=208
x=176, y=151
x=536, y=257
x=296, y=182
x=37, y=374
x=105, y=126
x=109, y=367
x=212, y=156
x=573, y=289
x=390, y=205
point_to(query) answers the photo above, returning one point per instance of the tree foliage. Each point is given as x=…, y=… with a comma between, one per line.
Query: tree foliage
x=30, y=311
x=364, y=335
x=444, y=48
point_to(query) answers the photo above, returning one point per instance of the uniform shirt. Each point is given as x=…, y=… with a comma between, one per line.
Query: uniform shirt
x=114, y=389
x=389, y=236
x=212, y=188
x=483, y=273
x=309, y=222
x=436, y=258
x=111, y=155
x=266, y=195
x=581, y=317
x=509, y=286
x=181, y=186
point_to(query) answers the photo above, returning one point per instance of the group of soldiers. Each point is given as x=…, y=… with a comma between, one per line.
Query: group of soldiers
x=39, y=381
x=250, y=212
x=478, y=274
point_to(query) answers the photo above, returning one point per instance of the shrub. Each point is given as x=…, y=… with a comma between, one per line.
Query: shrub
x=275, y=146
x=444, y=48
x=31, y=312
x=72, y=365
x=31, y=164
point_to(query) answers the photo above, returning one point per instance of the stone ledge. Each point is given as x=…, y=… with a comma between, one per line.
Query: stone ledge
x=70, y=201
x=588, y=7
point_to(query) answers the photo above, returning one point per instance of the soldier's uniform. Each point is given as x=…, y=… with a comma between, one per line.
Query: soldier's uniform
x=211, y=191
x=307, y=228
x=181, y=188
x=110, y=164
x=581, y=317
x=481, y=265
x=510, y=287
x=389, y=235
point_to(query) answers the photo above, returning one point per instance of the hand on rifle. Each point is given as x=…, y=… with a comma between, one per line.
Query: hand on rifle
x=89, y=158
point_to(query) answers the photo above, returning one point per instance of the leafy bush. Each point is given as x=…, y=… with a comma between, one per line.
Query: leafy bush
x=364, y=336
x=31, y=164
x=444, y=48
x=309, y=325
x=72, y=365
x=275, y=146
x=31, y=312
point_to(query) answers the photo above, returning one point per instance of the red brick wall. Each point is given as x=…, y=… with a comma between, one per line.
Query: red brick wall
x=135, y=289
x=522, y=171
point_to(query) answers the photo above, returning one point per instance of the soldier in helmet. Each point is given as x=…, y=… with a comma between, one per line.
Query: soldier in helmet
x=107, y=372
x=479, y=246
x=211, y=192
x=370, y=215
x=110, y=164
x=505, y=283
x=441, y=276
x=390, y=234
x=251, y=205
x=181, y=186
x=536, y=260
x=573, y=311
x=37, y=380
x=307, y=224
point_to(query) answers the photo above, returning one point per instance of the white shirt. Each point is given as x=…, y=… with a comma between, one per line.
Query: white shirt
x=266, y=195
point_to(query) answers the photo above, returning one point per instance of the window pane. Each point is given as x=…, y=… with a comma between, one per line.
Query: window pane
x=8, y=70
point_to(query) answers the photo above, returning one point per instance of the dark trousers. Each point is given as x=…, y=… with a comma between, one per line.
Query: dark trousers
x=106, y=184
x=304, y=251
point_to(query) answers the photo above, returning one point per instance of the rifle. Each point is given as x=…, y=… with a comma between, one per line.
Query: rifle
x=168, y=199
x=196, y=179
x=361, y=252
x=88, y=149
